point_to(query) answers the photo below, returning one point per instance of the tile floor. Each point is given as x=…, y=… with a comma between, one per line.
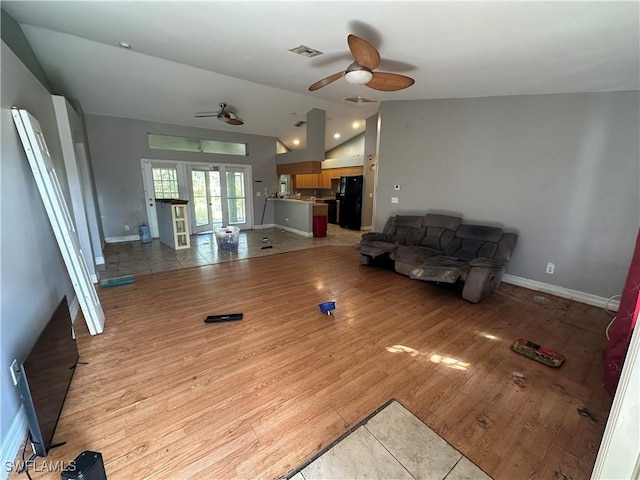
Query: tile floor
x=136, y=258
x=393, y=443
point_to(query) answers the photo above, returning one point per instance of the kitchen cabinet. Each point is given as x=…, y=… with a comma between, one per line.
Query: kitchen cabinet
x=323, y=180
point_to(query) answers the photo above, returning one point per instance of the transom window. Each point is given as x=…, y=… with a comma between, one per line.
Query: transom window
x=187, y=144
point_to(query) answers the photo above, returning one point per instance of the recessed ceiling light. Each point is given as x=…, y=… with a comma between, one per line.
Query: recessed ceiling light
x=355, y=124
x=125, y=45
x=336, y=135
x=296, y=142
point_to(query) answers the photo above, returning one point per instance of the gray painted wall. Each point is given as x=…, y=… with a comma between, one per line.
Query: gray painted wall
x=118, y=144
x=561, y=170
x=33, y=275
x=352, y=147
x=14, y=37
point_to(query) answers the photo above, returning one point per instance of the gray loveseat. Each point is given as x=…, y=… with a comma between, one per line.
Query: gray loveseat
x=439, y=248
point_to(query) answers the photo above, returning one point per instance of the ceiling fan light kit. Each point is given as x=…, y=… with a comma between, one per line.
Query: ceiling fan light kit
x=359, y=76
x=361, y=71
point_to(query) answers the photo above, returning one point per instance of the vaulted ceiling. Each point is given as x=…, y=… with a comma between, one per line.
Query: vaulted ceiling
x=188, y=57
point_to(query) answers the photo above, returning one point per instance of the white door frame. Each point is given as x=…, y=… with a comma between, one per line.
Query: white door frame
x=184, y=190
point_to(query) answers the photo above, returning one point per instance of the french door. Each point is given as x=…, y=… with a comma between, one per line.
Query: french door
x=236, y=193
x=218, y=194
x=206, y=199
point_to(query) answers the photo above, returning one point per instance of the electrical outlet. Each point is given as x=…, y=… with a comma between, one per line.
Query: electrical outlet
x=551, y=267
x=15, y=371
x=258, y=194
x=126, y=227
x=394, y=199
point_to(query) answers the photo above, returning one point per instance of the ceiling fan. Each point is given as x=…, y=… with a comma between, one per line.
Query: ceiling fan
x=361, y=72
x=225, y=115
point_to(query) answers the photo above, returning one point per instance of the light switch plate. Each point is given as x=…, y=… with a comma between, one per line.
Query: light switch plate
x=394, y=199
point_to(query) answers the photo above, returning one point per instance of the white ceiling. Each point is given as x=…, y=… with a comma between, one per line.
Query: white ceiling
x=188, y=57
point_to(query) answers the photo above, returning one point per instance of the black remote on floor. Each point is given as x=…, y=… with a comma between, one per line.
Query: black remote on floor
x=229, y=317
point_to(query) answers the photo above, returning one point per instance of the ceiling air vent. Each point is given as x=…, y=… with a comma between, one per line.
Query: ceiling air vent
x=305, y=51
x=301, y=123
x=358, y=99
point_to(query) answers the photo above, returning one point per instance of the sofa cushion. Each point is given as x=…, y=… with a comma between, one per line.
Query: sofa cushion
x=439, y=231
x=400, y=226
x=375, y=249
x=473, y=241
x=443, y=221
x=413, y=255
x=441, y=268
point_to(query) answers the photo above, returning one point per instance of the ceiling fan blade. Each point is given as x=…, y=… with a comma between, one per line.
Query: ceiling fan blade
x=363, y=52
x=389, y=82
x=205, y=114
x=234, y=121
x=326, y=81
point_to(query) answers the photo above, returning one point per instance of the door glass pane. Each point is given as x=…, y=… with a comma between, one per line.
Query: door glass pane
x=236, y=210
x=200, y=204
x=235, y=197
x=165, y=182
x=216, y=197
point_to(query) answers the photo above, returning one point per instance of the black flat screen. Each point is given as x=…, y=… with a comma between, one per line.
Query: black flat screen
x=46, y=376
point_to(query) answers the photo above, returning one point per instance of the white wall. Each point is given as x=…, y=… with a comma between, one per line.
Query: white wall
x=561, y=170
x=33, y=277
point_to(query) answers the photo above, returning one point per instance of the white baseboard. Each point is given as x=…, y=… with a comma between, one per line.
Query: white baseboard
x=99, y=260
x=576, y=295
x=293, y=230
x=266, y=225
x=12, y=441
x=124, y=238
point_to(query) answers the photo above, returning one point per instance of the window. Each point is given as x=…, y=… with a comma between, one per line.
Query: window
x=165, y=182
x=186, y=144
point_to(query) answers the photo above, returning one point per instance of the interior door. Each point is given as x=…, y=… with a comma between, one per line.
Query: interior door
x=206, y=199
x=63, y=227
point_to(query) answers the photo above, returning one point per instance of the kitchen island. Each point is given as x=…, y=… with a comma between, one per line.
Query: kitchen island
x=296, y=216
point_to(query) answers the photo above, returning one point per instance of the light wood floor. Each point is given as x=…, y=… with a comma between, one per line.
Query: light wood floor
x=166, y=396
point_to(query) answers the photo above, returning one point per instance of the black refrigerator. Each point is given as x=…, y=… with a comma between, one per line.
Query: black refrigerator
x=350, y=197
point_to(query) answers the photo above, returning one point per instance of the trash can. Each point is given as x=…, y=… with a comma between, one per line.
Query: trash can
x=319, y=226
x=145, y=233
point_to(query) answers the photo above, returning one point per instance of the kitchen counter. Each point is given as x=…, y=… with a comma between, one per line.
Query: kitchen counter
x=296, y=216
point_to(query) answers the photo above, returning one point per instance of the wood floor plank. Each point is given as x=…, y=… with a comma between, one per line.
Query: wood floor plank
x=165, y=395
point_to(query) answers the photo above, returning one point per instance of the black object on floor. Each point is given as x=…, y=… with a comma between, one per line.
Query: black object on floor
x=86, y=466
x=229, y=317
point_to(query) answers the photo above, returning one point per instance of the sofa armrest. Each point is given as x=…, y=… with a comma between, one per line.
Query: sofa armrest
x=374, y=237
x=487, y=262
